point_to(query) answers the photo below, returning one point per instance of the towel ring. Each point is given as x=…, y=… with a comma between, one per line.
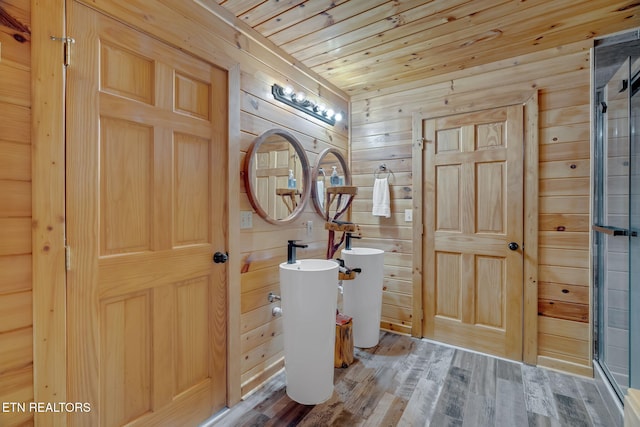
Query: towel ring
x=324, y=175
x=382, y=169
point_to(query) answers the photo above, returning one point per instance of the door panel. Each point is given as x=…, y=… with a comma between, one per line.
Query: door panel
x=191, y=180
x=146, y=153
x=473, y=207
x=125, y=180
x=125, y=376
x=448, y=196
x=490, y=190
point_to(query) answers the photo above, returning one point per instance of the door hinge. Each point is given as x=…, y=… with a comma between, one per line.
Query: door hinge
x=67, y=42
x=67, y=257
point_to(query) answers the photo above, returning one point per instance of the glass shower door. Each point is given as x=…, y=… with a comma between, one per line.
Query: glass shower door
x=634, y=227
x=611, y=226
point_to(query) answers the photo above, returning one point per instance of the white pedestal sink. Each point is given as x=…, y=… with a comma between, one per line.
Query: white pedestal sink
x=362, y=297
x=309, y=293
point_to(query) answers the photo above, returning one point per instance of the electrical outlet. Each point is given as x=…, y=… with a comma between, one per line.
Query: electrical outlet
x=408, y=215
x=246, y=219
x=309, y=228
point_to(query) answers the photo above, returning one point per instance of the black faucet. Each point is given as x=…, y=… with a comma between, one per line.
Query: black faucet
x=346, y=270
x=350, y=236
x=291, y=251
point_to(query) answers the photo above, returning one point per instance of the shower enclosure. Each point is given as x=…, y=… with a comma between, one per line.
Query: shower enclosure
x=616, y=213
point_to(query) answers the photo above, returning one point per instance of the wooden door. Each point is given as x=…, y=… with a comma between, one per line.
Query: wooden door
x=146, y=189
x=473, y=210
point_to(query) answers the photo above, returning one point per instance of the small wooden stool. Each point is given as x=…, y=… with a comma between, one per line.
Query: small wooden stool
x=343, y=356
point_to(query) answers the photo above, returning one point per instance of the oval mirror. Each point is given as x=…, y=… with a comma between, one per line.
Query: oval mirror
x=328, y=161
x=277, y=176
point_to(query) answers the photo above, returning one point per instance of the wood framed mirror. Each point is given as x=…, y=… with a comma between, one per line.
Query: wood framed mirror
x=277, y=176
x=326, y=161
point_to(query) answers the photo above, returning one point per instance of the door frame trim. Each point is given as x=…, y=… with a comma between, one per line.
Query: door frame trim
x=530, y=221
x=48, y=208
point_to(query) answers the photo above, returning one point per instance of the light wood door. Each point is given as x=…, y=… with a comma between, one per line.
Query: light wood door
x=146, y=189
x=473, y=210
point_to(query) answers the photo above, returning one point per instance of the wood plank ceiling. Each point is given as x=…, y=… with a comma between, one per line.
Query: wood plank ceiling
x=366, y=45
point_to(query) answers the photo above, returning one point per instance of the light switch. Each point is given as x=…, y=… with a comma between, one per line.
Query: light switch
x=408, y=215
x=246, y=219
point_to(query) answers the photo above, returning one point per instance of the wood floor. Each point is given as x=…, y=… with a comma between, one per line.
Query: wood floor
x=409, y=382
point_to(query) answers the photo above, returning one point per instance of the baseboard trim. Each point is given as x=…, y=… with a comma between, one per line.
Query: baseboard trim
x=253, y=384
x=564, y=366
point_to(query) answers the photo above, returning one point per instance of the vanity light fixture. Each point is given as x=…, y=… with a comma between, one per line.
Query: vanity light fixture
x=299, y=101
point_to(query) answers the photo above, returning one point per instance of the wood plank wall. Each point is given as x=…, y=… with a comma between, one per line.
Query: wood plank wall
x=381, y=133
x=16, y=334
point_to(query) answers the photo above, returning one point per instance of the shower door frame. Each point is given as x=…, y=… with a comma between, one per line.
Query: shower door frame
x=601, y=157
x=634, y=228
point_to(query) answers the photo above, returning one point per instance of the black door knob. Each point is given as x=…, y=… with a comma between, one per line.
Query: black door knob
x=513, y=246
x=220, y=258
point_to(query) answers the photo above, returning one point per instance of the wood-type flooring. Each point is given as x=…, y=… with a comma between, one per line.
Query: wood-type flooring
x=405, y=381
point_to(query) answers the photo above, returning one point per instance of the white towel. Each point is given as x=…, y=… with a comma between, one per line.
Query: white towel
x=320, y=192
x=381, y=199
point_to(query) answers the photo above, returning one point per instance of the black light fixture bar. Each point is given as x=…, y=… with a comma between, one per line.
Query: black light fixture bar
x=302, y=105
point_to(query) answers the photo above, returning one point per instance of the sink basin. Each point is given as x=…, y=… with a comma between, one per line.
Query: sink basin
x=362, y=297
x=309, y=294
x=359, y=252
x=311, y=265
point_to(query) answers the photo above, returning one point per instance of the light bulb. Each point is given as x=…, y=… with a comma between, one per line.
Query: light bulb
x=338, y=117
x=287, y=90
x=330, y=113
x=299, y=97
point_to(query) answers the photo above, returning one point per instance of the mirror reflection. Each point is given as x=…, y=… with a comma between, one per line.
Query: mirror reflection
x=276, y=176
x=330, y=170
